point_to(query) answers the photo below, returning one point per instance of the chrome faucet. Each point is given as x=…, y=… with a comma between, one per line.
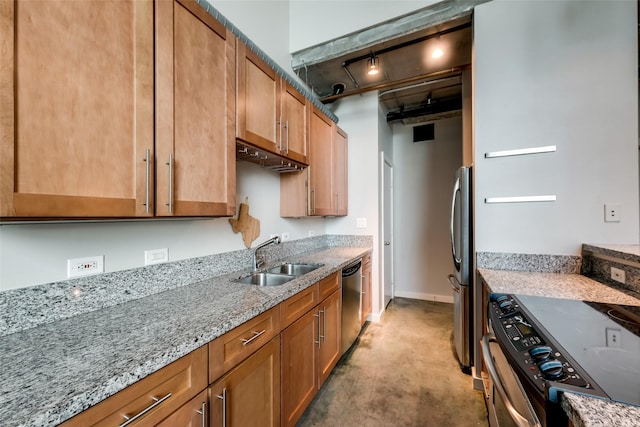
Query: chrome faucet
x=255, y=262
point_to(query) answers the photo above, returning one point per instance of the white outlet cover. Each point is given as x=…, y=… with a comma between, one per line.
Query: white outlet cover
x=612, y=212
x=156, y=256
x=361, y=222
x=285, y=236
x=77, y=267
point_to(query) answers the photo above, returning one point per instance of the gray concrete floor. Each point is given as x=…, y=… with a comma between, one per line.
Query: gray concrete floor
x=402, y=372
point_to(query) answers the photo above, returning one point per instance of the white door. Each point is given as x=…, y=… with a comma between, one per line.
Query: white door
x=387, y=232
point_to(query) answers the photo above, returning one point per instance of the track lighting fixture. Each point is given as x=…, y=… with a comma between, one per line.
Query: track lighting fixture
x=373, y=65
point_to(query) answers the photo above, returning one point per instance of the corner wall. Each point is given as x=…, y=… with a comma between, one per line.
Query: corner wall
x=558, y=73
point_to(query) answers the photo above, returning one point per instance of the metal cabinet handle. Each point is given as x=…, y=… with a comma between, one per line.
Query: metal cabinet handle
x=146, y=182
x=203, y=412
x=170, y=164
x=313, y=201
x=518, y=418
x=156, y=401
x=279, y=124
x=324, y=324
x=286, y=126
x=246, y=341
x=336, y=201
x=223, y=397
x=319, y=335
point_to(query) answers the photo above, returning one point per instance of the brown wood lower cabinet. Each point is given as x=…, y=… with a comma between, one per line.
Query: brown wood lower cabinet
x=191, y=414
x=310, y=350
x=249, y=395
x=157, y=396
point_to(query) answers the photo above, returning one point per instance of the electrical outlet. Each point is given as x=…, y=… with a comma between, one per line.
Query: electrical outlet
x=312, y=233
x=612, y=212
x=361, y=222
x=77, y=267
x=156, y=256
x=285, y=236
x=618, y=275
x=614, y=337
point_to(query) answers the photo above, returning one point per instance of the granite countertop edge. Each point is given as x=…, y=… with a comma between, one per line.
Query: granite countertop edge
x=166, y=340
x=582, y=410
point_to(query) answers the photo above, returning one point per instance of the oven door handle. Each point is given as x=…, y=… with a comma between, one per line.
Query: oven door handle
x=519, y=419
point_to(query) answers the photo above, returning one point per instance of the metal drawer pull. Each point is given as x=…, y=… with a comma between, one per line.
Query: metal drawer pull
x=156, y=402
x=203, y=412
x=223, y=397
x=455, y=288
x=146, y=183
x=246, y=341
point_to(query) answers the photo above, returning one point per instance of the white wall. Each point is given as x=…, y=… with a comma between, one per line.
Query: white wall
x=313, y=21
x=359, y=118
x=266, y=23
x=124, y=243
x=556, y=73
x=424, y=176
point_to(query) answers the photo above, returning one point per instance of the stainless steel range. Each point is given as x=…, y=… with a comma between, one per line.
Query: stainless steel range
x=541, y=346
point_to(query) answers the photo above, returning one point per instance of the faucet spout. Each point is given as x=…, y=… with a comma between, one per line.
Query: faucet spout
x=255, y=262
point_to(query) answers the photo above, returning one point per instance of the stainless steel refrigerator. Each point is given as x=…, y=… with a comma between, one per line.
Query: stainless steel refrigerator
x=462, y=278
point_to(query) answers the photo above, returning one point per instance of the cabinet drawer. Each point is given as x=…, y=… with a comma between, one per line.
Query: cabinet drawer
x=329, y=284
x=172, y=386
x=293, y=308
x=227, y=351
x=191, y=414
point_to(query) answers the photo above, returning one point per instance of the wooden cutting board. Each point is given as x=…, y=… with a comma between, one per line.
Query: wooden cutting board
x=246, y=224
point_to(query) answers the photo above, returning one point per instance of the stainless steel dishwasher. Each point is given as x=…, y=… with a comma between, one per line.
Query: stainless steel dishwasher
x=351, y=291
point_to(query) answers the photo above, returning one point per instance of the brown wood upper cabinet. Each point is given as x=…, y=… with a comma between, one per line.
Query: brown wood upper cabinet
x=76, y=86
x=77, y=83
x=322, y=189
x=195, y=112
x=271, y=114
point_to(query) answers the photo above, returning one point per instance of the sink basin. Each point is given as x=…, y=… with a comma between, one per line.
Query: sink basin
x=294, y=269
x=267, y=279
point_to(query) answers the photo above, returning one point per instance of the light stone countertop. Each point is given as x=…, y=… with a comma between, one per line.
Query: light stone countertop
x=583, y=411
x=56, y=370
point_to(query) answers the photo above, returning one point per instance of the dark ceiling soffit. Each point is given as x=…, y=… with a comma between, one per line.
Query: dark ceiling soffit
x=435, y=108
x=430, y=16
x=451, y=72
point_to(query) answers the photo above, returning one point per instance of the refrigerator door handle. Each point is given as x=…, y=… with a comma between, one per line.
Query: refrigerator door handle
x=456, y=190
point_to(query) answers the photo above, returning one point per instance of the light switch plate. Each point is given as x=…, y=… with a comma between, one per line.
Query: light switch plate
x=156, y=256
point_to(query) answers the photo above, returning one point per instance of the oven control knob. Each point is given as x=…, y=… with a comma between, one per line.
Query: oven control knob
x=540, y=353
x=506, y=306
x=552, y=369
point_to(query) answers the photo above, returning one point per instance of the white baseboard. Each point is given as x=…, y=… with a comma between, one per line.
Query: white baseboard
x=423, y=296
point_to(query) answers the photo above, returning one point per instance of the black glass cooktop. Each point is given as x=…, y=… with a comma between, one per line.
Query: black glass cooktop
x=603, y=338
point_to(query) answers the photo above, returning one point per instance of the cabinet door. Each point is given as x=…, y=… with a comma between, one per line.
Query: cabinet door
x=191, y=414
x=258, y=114
x=321, y=170
x=294, y=193
x=195, y=112
x=330, y=338
x=339, y=163
x=76, y=86
x=249, y=395
x=299, y=366
x=294, y=124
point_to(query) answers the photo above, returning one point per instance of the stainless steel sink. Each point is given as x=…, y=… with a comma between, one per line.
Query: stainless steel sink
x=294, y=269
x=267, y=279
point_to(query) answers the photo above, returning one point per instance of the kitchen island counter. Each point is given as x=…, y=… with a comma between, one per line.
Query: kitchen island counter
x=56, y=370
x=583, y=411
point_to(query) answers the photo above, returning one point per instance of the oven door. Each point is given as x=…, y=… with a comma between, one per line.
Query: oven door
x=507, y=402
